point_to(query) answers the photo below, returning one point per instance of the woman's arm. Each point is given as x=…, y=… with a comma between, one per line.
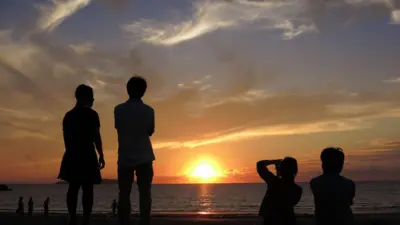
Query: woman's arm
x=263, y=171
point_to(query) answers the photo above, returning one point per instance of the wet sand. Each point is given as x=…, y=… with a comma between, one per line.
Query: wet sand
x=187, y=219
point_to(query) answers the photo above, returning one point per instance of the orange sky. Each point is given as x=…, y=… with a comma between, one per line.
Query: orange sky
x=226, y=86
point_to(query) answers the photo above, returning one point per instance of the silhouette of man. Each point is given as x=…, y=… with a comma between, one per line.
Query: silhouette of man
x=30, y=206
x=20, y=209
x=46, y=206
x=333, y=193
x=277, y=207
x=80, y=166
x=114, y=206
x=134, y=122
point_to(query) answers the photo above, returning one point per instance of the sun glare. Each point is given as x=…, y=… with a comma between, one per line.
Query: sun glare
x=204, y=171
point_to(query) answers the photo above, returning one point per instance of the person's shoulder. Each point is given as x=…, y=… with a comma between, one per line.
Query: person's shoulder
x=119, y=106
x=91, y=111
x=316, y=180
x=147, y=107
x=69, y=114
x=298, y=188
x=347, y=180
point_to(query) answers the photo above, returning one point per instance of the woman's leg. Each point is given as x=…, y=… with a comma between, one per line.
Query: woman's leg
x=87, y=199
x=72, y=198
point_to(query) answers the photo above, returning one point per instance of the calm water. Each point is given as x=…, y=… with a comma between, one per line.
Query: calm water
x=370, y=197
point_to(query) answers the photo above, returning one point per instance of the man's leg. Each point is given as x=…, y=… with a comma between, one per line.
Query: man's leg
x=144, y=174
x=125, y=180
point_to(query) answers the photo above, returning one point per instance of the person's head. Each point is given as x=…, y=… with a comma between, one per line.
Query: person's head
x=332, y=160
x=288, y=168
x=84, y=95
x=136, y=87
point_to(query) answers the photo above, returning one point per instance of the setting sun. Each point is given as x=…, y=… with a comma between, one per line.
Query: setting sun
x=204, y=171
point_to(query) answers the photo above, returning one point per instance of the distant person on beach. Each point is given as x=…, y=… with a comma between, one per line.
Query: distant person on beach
x=30, y=206
x=134, y=121
x=20, y=209
x=277, y=207
x=46, y=206
x=333, y=193
x=80, y=166
x=114, y=206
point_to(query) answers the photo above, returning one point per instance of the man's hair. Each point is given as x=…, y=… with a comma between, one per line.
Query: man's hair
x=136, y=87
x=332, y=160
x=83, y=92
x=289, y=168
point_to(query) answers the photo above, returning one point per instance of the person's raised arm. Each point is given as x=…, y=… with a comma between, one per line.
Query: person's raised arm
x=98, y=142
x=263, y=171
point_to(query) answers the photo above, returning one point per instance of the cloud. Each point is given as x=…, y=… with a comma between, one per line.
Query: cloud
x=293, y=18
x=55, y=12
x=82, y=48
x=256, y=132
x=394, y=80
x=210, y=16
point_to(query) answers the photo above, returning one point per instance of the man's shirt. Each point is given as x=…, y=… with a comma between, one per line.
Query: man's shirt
x=134, y=122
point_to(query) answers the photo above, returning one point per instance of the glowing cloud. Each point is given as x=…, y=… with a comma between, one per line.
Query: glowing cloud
x=55, y=13
x=210, y=16
x=293, y=18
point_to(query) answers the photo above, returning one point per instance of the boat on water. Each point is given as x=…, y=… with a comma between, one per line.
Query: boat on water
x=4, y=187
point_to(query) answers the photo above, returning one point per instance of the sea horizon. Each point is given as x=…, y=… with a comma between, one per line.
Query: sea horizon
x=238, y=198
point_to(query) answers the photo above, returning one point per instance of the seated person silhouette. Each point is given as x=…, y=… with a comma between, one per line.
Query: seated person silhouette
x=277, y=207
x=333, y=193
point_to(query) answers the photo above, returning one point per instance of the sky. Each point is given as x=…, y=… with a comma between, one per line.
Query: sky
x=231, y=81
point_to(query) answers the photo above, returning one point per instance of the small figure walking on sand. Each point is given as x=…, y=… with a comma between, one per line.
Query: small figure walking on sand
x=46, y=206
x=30, y=206
x=20, y=209
x=114, y=206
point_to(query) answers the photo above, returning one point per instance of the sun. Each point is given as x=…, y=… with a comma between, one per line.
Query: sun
x=204, y=171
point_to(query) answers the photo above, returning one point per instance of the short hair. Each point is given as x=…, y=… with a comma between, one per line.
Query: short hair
x=289, y=168
x=83, y=92
x=332, y=160
x=136, y=87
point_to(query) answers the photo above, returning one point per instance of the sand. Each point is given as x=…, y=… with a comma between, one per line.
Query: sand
x=187, y=219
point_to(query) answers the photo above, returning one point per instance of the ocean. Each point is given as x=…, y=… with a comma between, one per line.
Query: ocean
x=371, y=197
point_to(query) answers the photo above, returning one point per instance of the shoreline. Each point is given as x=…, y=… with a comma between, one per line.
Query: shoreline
x=186, y=219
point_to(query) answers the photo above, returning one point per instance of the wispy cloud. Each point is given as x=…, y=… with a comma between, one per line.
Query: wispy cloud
x=82, y=48
x=56, y=11
x=250, y=133
x=394, y=80
x=210, y=16
x=293, y=18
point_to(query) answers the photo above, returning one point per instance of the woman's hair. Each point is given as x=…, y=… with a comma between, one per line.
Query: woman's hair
x=288, y=168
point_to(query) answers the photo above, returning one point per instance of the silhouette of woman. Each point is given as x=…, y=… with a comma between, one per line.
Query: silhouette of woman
x=79, y=166
x=282, y=193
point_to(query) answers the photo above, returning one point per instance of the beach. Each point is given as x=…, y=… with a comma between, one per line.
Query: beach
x=187, y=219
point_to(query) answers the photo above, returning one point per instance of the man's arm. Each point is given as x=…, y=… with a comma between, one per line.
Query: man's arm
x=98, y=142
x=353, y=192
x=263, y=171
x=152, y=123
